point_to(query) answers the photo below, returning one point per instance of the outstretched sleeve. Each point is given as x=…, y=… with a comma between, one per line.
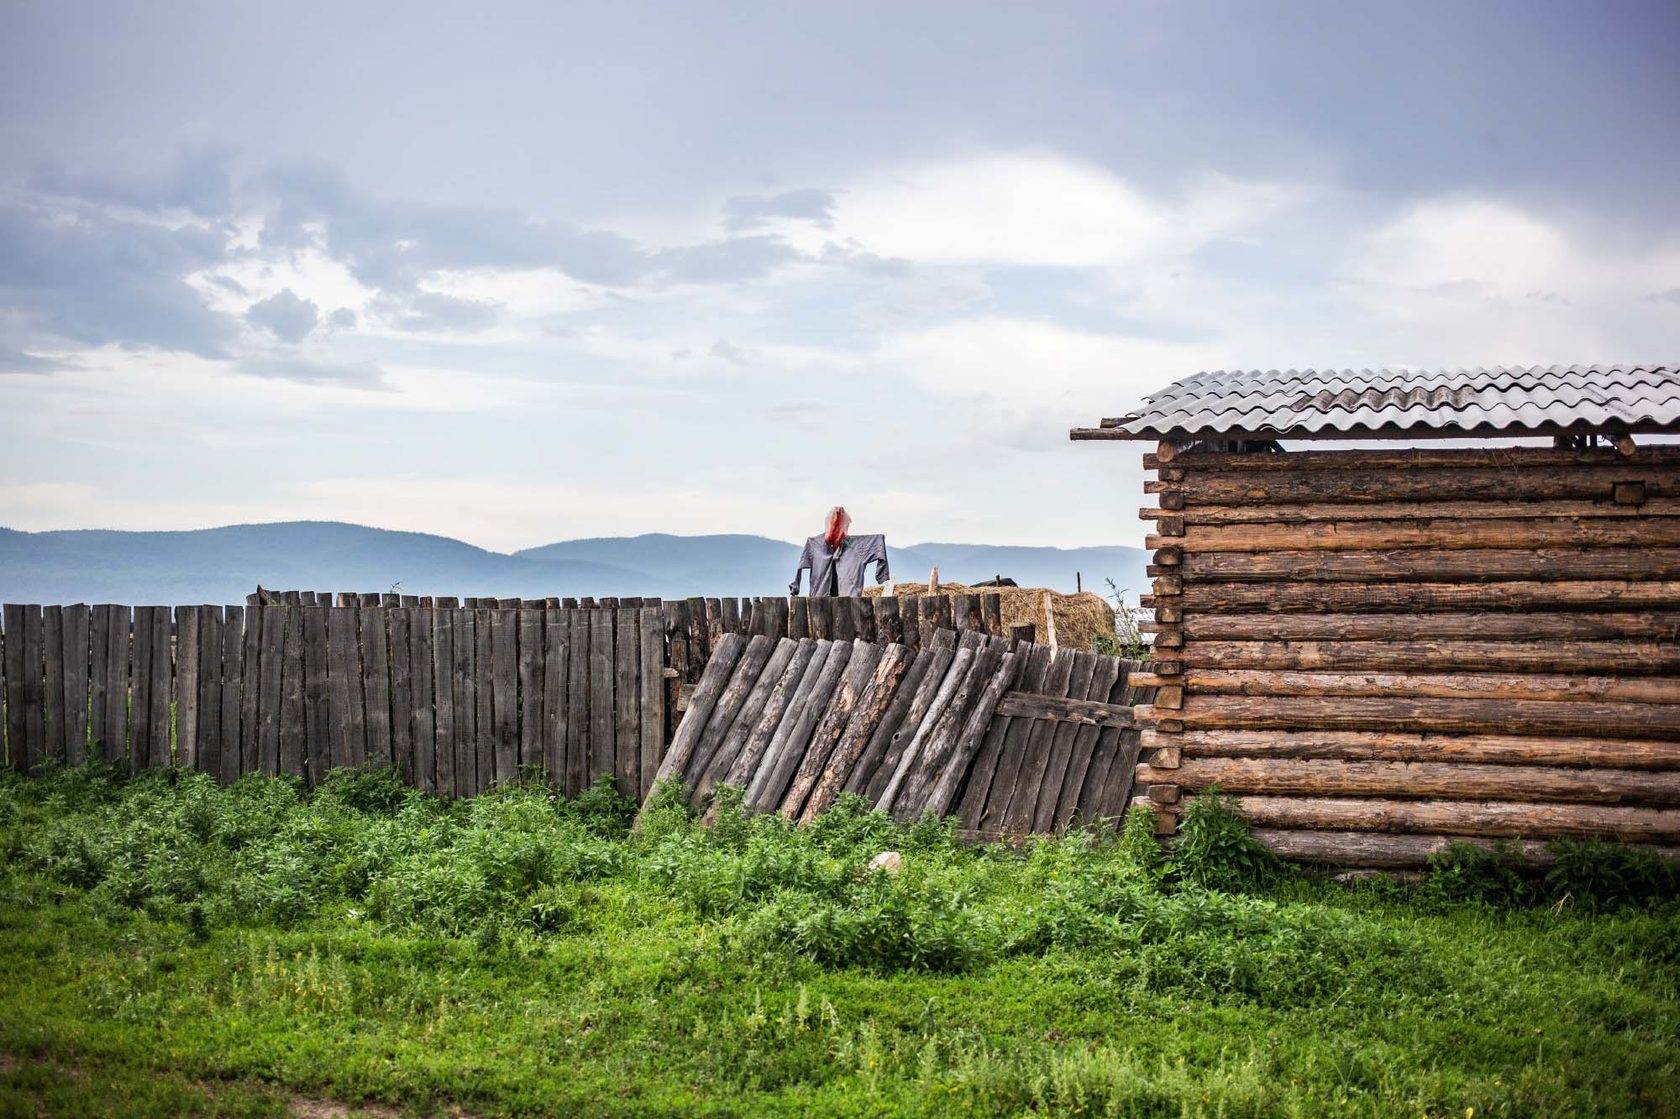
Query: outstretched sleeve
x=878, y=553
x=804, y=565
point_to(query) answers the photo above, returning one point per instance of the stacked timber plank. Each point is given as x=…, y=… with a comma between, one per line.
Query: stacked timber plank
x=1011, y=737
x=1382, y=651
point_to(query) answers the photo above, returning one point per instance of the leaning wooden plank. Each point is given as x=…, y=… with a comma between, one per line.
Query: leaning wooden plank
x=1084, y=745
x=1437, y=780
x=424, y=663
x=785, y=756
x=918, y=793
x=1404, y=852
x=293, y=734
x=867, y=714
x=1623, y=658
x=602, y=701
x=233, y=671
x=77, y=675
x=830, y=727
x=1095, y=793
x=652, y=687
x=577, y=697
x=376, y=678
x=627, y=726
x=1448, y=716
x=400, y=626
x=52, y=696
x=317, y=694
x=909, y=758
x=713, y=680
x=504, y=687
x=342, y=660
x=1016, y=816
x=1463, y=817
x=788, y=717
x=1054, y=771
x=881, y=757
x=973, y=731
x=551, y=736
x=756, y=741
x=726, y=711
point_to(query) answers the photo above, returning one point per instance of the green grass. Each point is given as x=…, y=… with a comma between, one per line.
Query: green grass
x=169, y=947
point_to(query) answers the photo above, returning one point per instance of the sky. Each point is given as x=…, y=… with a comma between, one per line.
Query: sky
x=517, y=273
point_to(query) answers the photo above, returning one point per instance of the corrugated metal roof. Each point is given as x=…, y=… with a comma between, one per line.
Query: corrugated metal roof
x=1310, y=404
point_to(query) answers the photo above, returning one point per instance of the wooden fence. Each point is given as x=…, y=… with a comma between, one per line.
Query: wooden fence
x=1011, y=737
x=457, y=698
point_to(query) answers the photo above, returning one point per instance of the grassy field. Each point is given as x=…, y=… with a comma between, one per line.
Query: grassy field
x=169, y=947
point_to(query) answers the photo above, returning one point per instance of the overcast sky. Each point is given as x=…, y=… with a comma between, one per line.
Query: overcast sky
x=525, y=272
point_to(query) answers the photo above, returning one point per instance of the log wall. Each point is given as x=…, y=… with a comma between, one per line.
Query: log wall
x=1379, y=652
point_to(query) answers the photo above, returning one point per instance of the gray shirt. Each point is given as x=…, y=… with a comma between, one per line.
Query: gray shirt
x=856, y=553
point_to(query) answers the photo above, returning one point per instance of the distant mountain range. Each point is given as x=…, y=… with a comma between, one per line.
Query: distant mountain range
x=223, y=565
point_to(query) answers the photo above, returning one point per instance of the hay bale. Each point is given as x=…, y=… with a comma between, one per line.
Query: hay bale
x=1080, y=618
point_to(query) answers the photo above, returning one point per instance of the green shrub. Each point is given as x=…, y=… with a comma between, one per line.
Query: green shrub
x=1469, y=872
x=1217, y=851
x=1593, y=874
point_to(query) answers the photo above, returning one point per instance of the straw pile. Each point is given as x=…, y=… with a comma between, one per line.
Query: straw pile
x=1080, y=618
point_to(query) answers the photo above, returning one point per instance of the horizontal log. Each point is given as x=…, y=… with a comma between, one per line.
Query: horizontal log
x=1422, y=532
x=1087, y=712
x=1416, y=566
x=1633, y=658
x=1273, y=513
x=1492, y=716
x=1463, y=817
x=1355, y=745
x=1360, y=598
x=1593, y=626
x=1421, y=780
x=1553, y=687
x=1422, y=485
x=1356, y=849
x=1408, y=458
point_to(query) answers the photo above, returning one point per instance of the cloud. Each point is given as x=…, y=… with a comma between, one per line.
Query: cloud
x=285, y=316
x=88, y=277
x=199, y=180
x=343, y=319
x=14, y=360
x=430, y=311
x=1040, y=210
x=309, y=371
x=749, y=211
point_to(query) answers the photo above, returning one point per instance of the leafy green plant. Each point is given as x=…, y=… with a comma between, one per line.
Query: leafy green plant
x=1593, y=874
x=1469, y=872
x=1217, y=851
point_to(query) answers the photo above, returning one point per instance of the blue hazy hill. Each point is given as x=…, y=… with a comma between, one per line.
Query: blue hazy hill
x=225, y=564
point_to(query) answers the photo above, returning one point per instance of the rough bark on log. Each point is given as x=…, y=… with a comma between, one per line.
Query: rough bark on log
x=712, y=682
x=1400, y=852
x=1328, y=510
x=1549, y=564
x=1421, y=780
x=1628, y=658
x=1463, y=817
x=831, y=726
x=1622, y=720
x=1557, y=688
x=1423, y=532
x=1407, y=458
x=866, y=716
x=1516, y=596
x=1490, y=749
x=1647, y=626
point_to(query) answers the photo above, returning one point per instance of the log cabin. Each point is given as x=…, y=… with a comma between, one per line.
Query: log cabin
x=1465, y=626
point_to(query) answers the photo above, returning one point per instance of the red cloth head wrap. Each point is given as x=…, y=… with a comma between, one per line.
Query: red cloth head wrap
x=838, y=522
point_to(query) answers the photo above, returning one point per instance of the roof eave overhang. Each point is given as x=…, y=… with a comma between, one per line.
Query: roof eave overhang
x=1112, y=430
